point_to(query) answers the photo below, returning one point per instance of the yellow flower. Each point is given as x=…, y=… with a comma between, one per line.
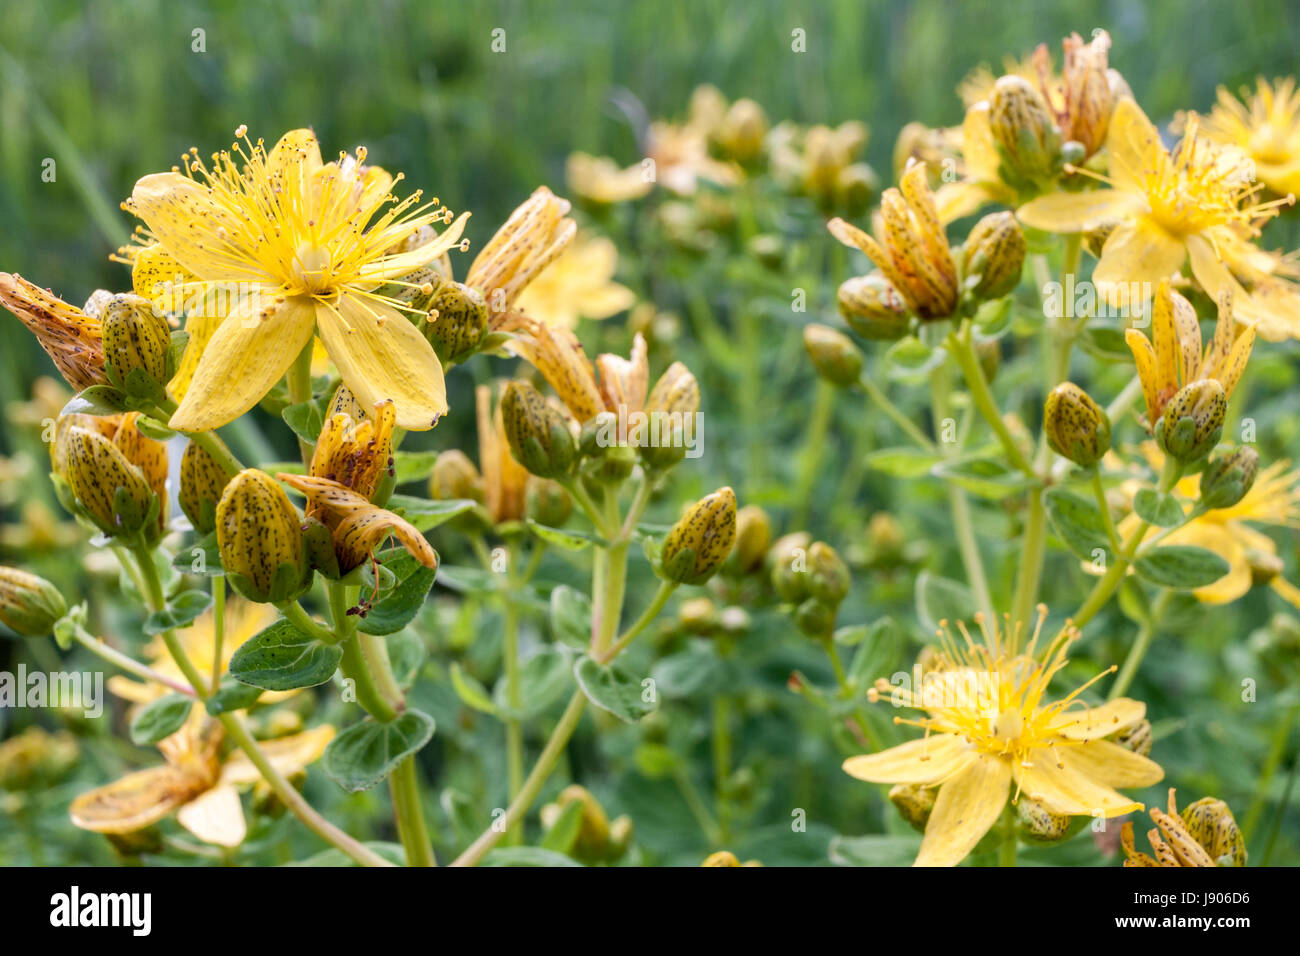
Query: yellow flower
x=1172, y=357
x=982, y=180
x=1205, y=834
x=194, y=783
x=244, y=619
x=1264, y=124
x=282, y=247
x=599, y=179
x=354, y=448
x=71, y=337
x=1167, y=209
x=988, y=724
x=578, y=285
x=1274, y=499
x=911, y=249
x=558, y=355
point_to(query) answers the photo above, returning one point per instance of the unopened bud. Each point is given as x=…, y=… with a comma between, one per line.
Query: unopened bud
x=1077, y=427
x=1265, y=566
x=698, y=615
x=455, y=477
x=1036, y=824
x=1193, y=421
x=816, y=618
x=885, y=540
x=1028, y=139
x=753, y=537
x=135, y=337
x=721, y=858
x=698, y=544
x=592, y=841
x=113, y=493
x=621, y=831
x=873, y=308
x=741, y=134
x=1212, y=825
x=993, y=256
x=828, y=575
x=547, y=502
x=676, y=400
x=259, y=533
x=914, y=804
x=460, y=324
x=834, y=356
x=29, y=605
x=1228, y=478
x=203, y=480
x=857, y=185
x=1136, y=737
x=539, y=437
x=789, y=562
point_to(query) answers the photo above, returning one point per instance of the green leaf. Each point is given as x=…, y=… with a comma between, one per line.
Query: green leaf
x=1161, y=510
x=1106, y=344
x=284, y=658
x=877, y=652
x=472, y=693
x=1181, y=566
x=306, y=420
x=986, y=477
x=875, y=850
x=613, y=689
x=910, y=359
x=398, y=606
x=152, y=428
x=406, y=654
x=543, y=679
x=232, y=695
x=571, y=616
x=367, y=752
x=1077, y=522
x=160, y=718
x=465, y=580
x=902, y=462
x=942, y=599
x=413, y=466
x=97, y=400
x=201, y=558
x=655, y=761
x=564, y=831
x=696, y=672
x=568, y=540
x=426, y=514
x=179, y=612
x=526, y=856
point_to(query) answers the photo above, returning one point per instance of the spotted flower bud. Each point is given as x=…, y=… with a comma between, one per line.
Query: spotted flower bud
x=458, y=320
x=914, y=804
x=753, y=537
x=1027, y=137
x=455, y=477
x=109, y=489
x=993, y=256
x=1212, y=825
x=1077, y=427
x=547, y=502
x=742, y=131
x=538, y=435
x=29, y=605
x=135, y=337
x=1037, y=824
x=828, y=575
x=1136, y=737
x=671, y=407
x=834, y=356
x=789, y=562
x=1228, y=478
x=698, y=544
x=1193, y=420
x=259, y=533
x=71, y=337
x=203, y=480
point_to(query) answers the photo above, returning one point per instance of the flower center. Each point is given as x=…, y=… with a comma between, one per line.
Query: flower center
x=311, y=267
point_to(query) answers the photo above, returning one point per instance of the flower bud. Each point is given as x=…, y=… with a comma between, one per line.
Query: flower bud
x=873, y=308
x=1077, y=427
x=1228, y=478
x=828, y=575
x=789, y=561
x=914, y=804
x=885, y=540
x=1028, y=139
x=455, y=477
x=1036, y=824
x=856, y=185
x=721, y=858
x=1211, y=824
x=29, y=605
x=203, y=480
x=671, y=407
x=547, y=502
x=989, y=354
x=698, y=615
x=753, y=537
x=816, y=618
x=539, y=437
x=621, y=831
x=698, y=544
x=604, y=459
x=36, y=758
x=113, y=493
x=993, y=256
x=460, y=323
x=259, y=533
x=1264, y=566
x=1193, y=421
x=592, y=841
x=742, y=131
x=1136, y=737
x=135, y=337
x=834, y=356
x=734, y=620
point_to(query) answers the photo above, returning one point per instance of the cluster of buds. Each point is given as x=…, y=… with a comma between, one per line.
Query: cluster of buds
x=1077, y=428
x=823, y=163
x=111, y=474
x=1204, y=834
x=701, y=541
x=812, y=578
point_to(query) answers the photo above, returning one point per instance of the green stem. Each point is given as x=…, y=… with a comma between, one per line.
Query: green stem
x=699, y=809
x=814, y=448
x=1007, y=851
x=404, y=785
x=1128, y=670
x=1103, y=506
x=894, y=413
x=722, y=761
x=1033, y=551
x=129, y=664
x=157, y=601
x=962, y=348
x=867, y=731
x=299, y=618
x=665, y=591
x=514, y=729
x=1276, y=751
x=532, y=786
x=218, y=627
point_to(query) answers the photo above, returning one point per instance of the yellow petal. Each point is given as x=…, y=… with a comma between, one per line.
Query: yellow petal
x=1111, y=764
x=293, y=163
x=215, y=817
x=288, y=755
x=1094, y=723
x=245, y=357
x=1136, y=257
x=1134, y=146
x=383, y=357
x=1063, y=789
x=136, y=801
x=201, y=324
x=1076, y=212
x=926, y=761
x=1144, y=356
x=1164, y=339
x=967, y=807
x=604, y=301
x=193, y=228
